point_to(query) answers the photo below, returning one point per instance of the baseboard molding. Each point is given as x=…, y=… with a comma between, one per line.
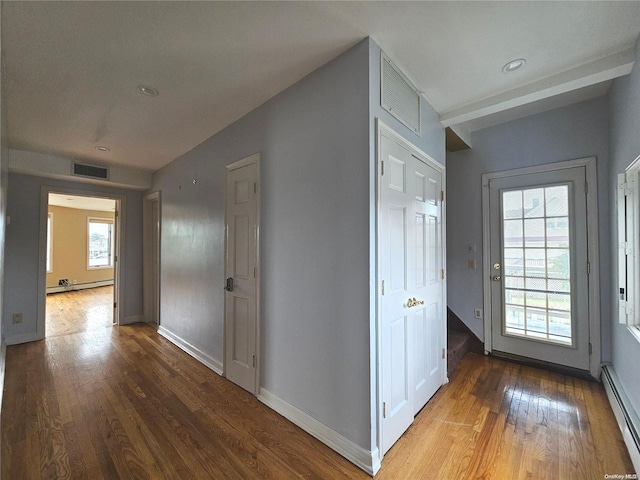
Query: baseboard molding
x=79, y=286
x=195, y=352
x=364, y=459
x=625, y=415
x=132, y=319
x=17, y=339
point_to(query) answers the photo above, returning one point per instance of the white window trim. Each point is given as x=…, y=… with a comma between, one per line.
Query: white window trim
x=100, y=220
x=628, y=208
x=50, y=241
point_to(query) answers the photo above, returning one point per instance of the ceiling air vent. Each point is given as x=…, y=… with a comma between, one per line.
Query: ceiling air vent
x=399, y=97
x=91, y=171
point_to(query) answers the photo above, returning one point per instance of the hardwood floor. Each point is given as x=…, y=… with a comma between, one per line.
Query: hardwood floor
x=123, y=402
x=79, y=311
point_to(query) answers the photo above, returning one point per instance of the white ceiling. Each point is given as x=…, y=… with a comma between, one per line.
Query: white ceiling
x=82, y=203
x=73, y=67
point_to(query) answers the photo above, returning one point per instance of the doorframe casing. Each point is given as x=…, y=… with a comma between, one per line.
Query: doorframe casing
x=593, y=255
x=251, y=159
x=119, y=266
x=150, y=234
x=384, y=130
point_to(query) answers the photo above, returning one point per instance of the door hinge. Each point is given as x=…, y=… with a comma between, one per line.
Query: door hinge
x=115, y=214
x=588, y=268
x=254, y=361
x=442, y=195
x=384, y=409
x=255, y=187
x=442, y=273
x=443, y=353
x=590, y=349
x=115, y=258
x=381, y=169
x=254, y=272
x=382, y=287
x=586, y=187
x=115, y=305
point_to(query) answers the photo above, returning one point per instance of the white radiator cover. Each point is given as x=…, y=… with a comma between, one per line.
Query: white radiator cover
x=626, y=417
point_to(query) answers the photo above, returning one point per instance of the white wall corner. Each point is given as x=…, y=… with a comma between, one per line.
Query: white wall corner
x=369, y=461
x=195, y=352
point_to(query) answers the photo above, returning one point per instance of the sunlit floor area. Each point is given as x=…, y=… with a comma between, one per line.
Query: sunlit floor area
x=79, y=311
x=123, y=402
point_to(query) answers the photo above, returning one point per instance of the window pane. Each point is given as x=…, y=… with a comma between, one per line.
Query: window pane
x=49, y=253
x=100, y=244
x=512, y=205
x=537, y=267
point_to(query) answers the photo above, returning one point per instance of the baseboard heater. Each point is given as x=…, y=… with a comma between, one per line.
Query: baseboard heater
x=624, y=412
x=79, y=286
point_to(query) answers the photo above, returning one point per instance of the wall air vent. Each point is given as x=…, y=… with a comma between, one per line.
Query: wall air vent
x=83, y=170
x=398, y=95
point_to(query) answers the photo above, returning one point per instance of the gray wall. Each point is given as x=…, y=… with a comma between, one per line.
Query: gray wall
x=22, y=254
x=624, y=148
x=314, y=142
x=576, y=131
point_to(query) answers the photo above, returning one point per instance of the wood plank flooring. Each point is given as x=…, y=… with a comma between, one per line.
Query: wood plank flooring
x=79, y=311
x=123, y=402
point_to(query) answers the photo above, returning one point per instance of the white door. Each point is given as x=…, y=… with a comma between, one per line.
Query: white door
x=241, y=273
x=412, y=288
x=539, y=266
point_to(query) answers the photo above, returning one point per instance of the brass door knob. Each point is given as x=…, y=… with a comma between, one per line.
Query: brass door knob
x=412, y=302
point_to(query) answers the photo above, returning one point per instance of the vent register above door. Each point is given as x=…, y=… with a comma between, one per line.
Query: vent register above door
x=399, y=96
x=91, y=171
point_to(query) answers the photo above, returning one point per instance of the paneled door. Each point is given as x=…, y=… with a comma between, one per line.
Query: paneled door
x=241, y=279
x=412, y=286
x=539, y=266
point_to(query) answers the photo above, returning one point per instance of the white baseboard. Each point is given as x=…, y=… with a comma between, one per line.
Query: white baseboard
x=79, y=286
x=17, y=339
x=195, y=352
x=626, y=416
x=132, y=319
x=364, y=459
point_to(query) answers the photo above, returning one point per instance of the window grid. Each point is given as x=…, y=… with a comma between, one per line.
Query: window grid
x=536, y=287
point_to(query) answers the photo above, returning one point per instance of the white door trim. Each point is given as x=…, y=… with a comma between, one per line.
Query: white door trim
x=383, y=129
x=151, y=233
x=593, y=250
x=120, y=222
x=252, y=159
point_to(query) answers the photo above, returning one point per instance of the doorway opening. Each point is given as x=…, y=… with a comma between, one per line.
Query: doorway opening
x=81, y=243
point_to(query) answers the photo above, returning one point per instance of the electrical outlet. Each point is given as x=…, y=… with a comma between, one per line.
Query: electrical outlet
x=477, y=313
x=471, y=264
x=16, y=318
x=75, y=282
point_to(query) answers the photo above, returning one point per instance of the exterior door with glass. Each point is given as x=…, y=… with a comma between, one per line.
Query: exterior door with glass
x=539, y=266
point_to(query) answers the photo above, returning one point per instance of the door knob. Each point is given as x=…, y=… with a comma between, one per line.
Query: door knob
x=412, y=302
x=496, y=278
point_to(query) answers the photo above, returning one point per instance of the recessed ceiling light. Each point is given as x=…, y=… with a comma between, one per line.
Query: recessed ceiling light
x=514, y=65
x=100, y=148
x=148, y=91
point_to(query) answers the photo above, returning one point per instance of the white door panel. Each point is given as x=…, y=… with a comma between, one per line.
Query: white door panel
x=410, y=263
x=241, y=264
x=539, y=279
